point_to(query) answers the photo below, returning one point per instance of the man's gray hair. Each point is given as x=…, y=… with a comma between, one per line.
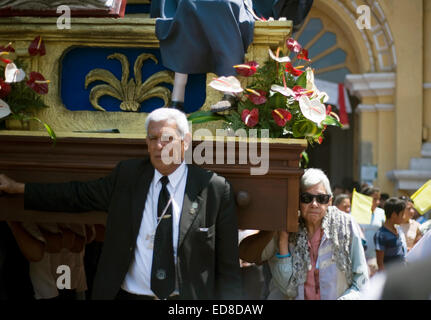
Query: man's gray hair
x=313, y=176
x=169, y=114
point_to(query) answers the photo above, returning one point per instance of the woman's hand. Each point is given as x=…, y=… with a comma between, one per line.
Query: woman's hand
x=283, y=242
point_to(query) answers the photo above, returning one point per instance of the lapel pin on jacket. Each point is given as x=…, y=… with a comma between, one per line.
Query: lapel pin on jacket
x=193, y=208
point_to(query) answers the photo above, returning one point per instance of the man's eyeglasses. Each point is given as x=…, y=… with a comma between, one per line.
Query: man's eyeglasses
x=320, y=198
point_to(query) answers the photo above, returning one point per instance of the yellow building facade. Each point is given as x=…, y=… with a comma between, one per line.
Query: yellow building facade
x=389, y=72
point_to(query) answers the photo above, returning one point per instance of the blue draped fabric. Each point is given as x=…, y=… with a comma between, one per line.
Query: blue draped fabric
x=201, y=36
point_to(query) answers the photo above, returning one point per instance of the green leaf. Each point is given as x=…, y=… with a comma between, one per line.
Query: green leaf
x=331, y=121
x=48, y=129
x=50, y=132
x=302, y=80
x=204, y=116
x=304, y=159
x=304, y=128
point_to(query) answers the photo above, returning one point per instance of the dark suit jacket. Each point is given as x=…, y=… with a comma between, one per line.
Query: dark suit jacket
x=208, y=263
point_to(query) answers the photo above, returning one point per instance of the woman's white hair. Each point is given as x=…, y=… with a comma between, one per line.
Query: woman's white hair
x=169, y=114
x=313, y=176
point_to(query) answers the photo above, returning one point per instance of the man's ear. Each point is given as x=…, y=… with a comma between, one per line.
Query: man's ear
x=187, y=140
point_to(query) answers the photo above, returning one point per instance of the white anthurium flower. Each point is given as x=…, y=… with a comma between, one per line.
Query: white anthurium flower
x=313, y=109
x=4, y=109
x=226, y=84
x=278, y=59
x=13, y=74
x=310, y=85
x=310, y=79
x=285, y=91
x=322, y=94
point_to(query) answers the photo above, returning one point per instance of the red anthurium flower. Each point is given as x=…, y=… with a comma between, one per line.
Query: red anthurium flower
x=4, y=53
x=4, y=89
x=303, y=54
x=7, y=61
x=292, y=70
x=293, y=45
x=320, y=140
x=250, y=118
x=328, y=109
x=37, y=47
x=8, y=48
x=281, y=116
x=38, y=83
x=259, y=98
x=247, y=69
x=300, y=91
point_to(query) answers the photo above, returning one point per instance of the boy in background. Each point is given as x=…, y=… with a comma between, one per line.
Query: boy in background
x=390, y=240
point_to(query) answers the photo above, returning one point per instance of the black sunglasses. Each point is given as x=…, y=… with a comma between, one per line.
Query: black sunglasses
x=320, y=198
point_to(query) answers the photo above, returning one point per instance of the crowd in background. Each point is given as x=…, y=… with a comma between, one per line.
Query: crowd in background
x=408, y=230
x=395, y=228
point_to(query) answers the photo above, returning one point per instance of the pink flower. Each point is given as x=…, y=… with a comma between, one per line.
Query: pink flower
x=37, y=47
x=281, y=116
x=293, y=45
x=250, y=118
x=247, y=69
x=13, y=74
x=228, y=84
x=257, y=96
x=38, y=83
x=313, y=109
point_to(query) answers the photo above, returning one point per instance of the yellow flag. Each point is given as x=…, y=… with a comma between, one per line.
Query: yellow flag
x=422, y=198
x=361, y=207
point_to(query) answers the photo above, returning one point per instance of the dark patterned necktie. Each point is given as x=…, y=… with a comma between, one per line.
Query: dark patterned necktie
x=163, y=267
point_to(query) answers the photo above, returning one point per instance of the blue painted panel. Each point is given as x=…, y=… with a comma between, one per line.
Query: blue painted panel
x=79, y=61
x=326, y=41
x=335, y=57
x=337, y=76
x=312, y=28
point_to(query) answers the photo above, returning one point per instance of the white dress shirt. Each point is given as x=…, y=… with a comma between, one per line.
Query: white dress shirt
x=138, y=278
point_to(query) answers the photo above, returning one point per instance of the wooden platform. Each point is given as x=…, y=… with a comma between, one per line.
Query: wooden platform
x=266, y=202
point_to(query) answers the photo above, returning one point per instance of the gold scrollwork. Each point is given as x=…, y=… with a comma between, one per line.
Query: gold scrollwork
x=130, y=91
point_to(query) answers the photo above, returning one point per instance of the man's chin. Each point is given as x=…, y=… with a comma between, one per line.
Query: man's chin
x=163, y=167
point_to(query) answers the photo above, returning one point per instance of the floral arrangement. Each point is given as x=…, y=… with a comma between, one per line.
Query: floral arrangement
x=20, y=94
x=281, y=98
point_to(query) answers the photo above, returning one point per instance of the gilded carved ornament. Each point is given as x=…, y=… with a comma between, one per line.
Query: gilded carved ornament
x=130, y=91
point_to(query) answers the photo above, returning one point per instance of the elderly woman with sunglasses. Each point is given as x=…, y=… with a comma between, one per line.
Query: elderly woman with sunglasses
x=323, y=260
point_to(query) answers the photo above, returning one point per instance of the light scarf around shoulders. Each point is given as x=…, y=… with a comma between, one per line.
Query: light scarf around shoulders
x=337, y=226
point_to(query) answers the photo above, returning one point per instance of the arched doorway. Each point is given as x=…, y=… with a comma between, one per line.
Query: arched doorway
x=339, y=49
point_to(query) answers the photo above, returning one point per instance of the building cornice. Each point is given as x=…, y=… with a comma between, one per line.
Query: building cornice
x=371, y=84
x=374, y=107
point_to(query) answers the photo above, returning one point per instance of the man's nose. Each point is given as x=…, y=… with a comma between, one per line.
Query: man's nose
x=161, y=142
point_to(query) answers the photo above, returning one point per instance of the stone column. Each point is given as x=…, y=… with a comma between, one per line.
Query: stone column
x=375, y=122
